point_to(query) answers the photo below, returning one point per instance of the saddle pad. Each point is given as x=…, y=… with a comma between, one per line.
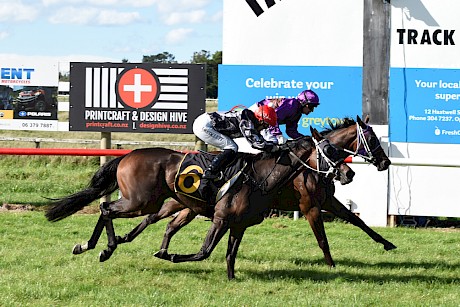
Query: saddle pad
x=188, y=177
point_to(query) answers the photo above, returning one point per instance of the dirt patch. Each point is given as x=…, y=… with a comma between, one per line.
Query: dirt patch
x=93, y=209
x=12, y=207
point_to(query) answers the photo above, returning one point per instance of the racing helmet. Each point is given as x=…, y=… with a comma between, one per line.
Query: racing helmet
x=308, y=97
x=266, y=114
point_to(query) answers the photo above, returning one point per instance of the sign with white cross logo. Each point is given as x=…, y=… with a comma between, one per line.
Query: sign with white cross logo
x=143, y=97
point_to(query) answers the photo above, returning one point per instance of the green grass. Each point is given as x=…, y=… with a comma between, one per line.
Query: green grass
x=28, y=180
x=279, y=264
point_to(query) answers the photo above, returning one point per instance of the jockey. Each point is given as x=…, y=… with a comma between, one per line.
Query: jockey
x=219, y=130
x=288, y=111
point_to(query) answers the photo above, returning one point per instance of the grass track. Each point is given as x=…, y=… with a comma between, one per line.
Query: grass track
x=279, y=264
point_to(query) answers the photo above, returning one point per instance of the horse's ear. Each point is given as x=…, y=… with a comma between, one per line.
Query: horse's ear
x=360, y=122
x=315, y=133
x=366, y=120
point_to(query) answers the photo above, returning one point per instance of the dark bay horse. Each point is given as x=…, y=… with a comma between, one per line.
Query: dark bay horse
x=307, y=193
x=146, y=179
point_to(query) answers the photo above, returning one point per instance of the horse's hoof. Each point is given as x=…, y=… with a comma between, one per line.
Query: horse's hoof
x=389, y=246
x=77, y=249
x=104, y=256
x=162, y=254
x=120, y=240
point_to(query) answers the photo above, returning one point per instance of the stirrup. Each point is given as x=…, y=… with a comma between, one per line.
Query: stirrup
x=211, y=176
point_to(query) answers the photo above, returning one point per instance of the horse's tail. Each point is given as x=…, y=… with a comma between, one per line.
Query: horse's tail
x=104, y=182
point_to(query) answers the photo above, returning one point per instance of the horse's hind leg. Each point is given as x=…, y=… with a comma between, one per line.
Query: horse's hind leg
x=182, y=219
x=338, y=209
x=103, y=221
x=112, y=242
x=91, y=244
x=168, y=209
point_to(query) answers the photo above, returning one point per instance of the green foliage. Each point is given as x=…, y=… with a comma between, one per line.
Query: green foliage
x=64, y=77
x=278, y=264
x=212, y=62
x=164, y=57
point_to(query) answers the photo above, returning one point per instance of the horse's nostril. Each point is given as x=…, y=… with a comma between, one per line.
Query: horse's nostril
x=350, y=174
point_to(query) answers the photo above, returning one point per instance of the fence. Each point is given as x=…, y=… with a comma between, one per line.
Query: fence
x=119, y=144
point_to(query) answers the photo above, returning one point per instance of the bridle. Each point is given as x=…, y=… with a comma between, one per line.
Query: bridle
x=363, y=149
x=320, y=156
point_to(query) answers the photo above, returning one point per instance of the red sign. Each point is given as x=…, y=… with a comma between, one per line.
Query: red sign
x=138, y=87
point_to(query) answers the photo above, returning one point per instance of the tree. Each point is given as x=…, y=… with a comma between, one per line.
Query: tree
x=212, y=64
x=201, y=57
x=64, y=76
x=164, y=57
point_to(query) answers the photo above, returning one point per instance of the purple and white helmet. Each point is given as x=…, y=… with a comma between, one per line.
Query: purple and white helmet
x=308, y=97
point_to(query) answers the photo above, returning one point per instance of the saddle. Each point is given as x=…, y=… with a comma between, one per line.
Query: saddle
x=188, y=179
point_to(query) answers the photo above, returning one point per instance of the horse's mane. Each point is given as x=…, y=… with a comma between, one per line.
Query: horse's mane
x=343, y=123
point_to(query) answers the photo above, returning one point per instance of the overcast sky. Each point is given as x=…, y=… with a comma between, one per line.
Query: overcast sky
x=109, y=30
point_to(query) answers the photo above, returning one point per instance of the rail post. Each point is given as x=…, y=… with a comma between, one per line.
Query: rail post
x=200, y=145
x=106, y=143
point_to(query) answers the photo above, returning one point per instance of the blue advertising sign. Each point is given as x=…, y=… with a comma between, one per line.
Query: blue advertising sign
x=425, y=105
x=339, y=89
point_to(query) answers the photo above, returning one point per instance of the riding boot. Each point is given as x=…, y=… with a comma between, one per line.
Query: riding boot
x=212, y=172
x=218, y=163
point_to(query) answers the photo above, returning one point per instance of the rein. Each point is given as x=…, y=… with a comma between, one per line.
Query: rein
x=319, y=155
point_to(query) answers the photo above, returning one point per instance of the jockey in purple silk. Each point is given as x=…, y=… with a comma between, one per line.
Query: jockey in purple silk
x=288, y=112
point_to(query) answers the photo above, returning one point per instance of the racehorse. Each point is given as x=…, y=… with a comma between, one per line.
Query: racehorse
x=146, y=179
x=307, y=193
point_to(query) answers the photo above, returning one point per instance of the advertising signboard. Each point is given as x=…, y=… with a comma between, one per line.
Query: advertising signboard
x=278, y=49
x=28, y=94
x=126, y=97
x=425, y=72
x=339, y=89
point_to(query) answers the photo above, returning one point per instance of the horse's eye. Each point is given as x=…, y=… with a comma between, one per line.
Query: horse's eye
x=329, y=150
x=373, y=142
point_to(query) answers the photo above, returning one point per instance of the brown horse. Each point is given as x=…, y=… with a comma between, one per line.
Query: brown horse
x=306, y=193
x=146, y=179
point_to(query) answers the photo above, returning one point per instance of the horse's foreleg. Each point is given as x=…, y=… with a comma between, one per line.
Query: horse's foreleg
x=91, y=244
x=182, y=219
x=317, y=225
x=234, y=241
x=334, y=206
x=218, y=229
